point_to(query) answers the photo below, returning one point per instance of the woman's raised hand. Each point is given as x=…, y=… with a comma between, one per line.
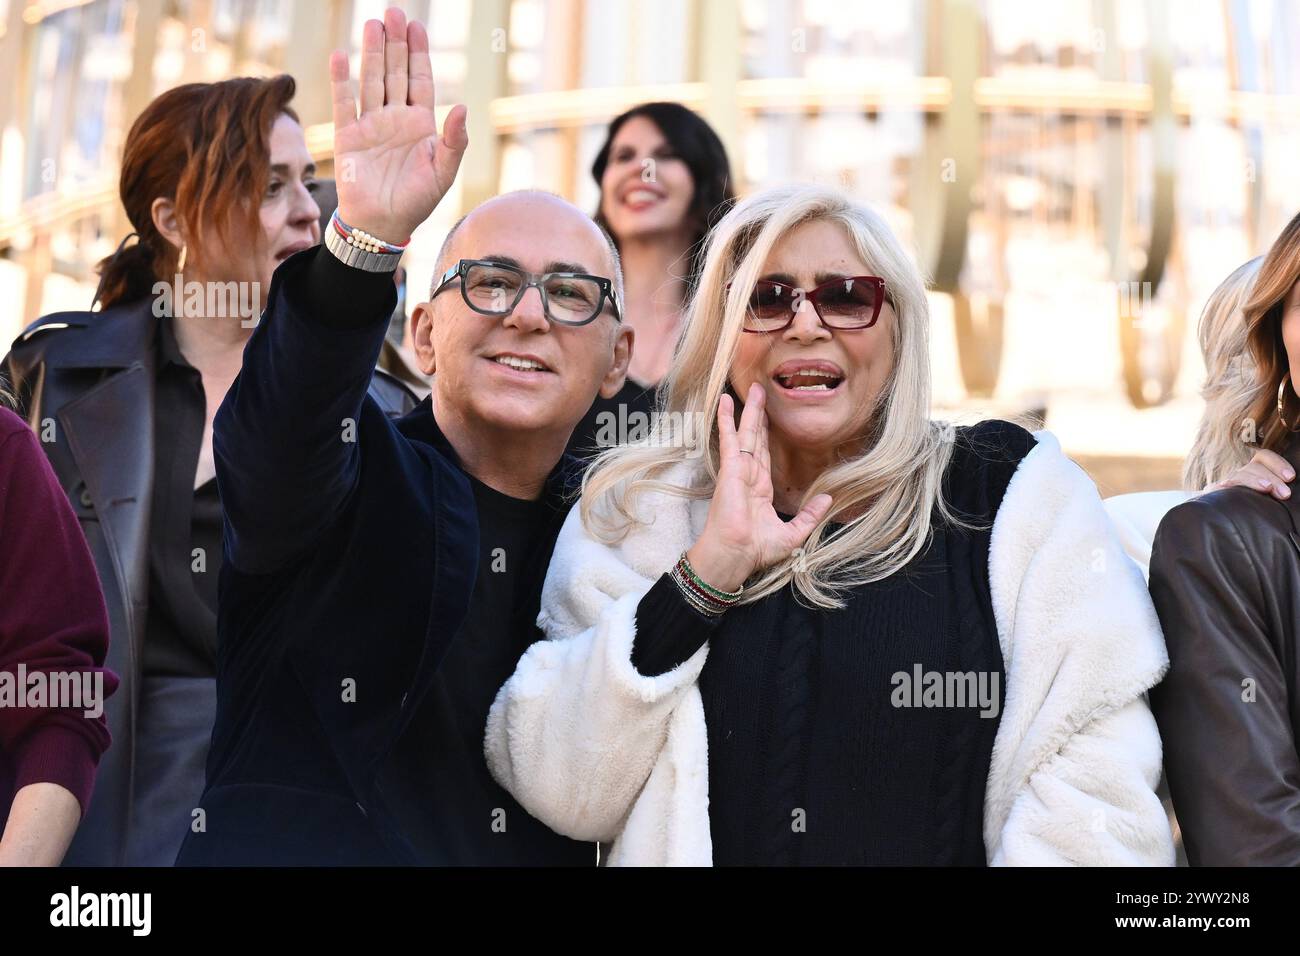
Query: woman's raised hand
x=743, y=533
x=391, y=166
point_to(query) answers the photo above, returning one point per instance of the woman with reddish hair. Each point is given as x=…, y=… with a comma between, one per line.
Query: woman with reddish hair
x=1225, y=579
x=218, y=186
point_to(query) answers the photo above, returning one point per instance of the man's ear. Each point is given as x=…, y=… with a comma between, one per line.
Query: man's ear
x=422, y=338
x=617, y=374
x=163, y=213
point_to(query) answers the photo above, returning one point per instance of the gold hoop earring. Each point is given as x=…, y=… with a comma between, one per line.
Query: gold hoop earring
x=1281, y=414
x=180, y=263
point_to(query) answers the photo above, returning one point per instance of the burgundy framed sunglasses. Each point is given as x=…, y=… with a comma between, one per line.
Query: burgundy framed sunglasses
x=847, y=303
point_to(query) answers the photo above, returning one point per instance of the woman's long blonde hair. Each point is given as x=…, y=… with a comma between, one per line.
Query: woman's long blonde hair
x=884, y=496
x=1231, y=387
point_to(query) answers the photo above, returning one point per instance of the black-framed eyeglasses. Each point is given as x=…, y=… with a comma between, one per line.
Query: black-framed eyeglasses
x=495, y=288
x=847, y=303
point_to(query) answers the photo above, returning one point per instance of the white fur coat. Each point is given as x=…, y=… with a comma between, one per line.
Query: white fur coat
x=598, y=751
x=1137, y=516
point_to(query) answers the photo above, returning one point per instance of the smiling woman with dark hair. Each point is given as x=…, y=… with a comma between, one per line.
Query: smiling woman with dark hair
x=655, y=142
x=664, y=181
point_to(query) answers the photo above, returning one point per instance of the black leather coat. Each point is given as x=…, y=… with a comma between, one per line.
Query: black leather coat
x=1225, y=579
x=85, y=382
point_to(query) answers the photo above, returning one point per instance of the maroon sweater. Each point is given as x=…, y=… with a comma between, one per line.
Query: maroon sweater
x=52, y=619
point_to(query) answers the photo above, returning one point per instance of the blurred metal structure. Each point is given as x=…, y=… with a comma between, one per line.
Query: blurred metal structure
x=1045, y=155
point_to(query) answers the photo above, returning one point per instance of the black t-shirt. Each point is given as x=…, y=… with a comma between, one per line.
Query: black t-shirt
x=613, y=421
x=438, y=762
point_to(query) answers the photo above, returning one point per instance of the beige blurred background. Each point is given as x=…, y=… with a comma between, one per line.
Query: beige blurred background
x=1075, y=175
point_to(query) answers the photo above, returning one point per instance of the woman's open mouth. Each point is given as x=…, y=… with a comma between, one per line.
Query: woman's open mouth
x=810, y=381
x=809, y=377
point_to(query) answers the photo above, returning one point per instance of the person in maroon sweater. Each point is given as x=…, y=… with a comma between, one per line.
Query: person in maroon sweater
x=53, y=640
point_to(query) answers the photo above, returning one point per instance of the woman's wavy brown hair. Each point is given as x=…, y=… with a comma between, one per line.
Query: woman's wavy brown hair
x=206, y=147
x=1263, y=315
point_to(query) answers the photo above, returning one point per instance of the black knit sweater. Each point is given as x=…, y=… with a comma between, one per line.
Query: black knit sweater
x=813, y=759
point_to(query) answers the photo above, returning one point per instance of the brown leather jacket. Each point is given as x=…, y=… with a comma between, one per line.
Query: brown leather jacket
x=85, y=383
x=1225, y=579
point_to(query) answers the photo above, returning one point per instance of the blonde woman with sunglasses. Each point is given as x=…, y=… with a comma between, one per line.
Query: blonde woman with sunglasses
x=835, y=631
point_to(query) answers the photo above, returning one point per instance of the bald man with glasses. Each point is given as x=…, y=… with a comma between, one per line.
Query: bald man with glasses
x=383, y=577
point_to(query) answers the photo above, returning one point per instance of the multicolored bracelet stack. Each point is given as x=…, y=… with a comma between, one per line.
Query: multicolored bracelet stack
x=702, y=596
x=364, y=240
x=359, y=249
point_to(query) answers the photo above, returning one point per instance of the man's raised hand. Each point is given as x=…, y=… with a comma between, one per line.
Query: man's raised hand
x=391, y=166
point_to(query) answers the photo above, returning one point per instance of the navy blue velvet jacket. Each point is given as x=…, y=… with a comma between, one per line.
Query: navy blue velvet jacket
x=351, y=541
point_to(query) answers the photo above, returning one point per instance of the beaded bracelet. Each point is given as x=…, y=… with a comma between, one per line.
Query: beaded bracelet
x=699, y=593
x=364, y=240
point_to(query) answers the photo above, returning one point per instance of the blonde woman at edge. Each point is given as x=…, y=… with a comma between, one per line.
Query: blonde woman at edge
x=940, y=651
x=1221, y=455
